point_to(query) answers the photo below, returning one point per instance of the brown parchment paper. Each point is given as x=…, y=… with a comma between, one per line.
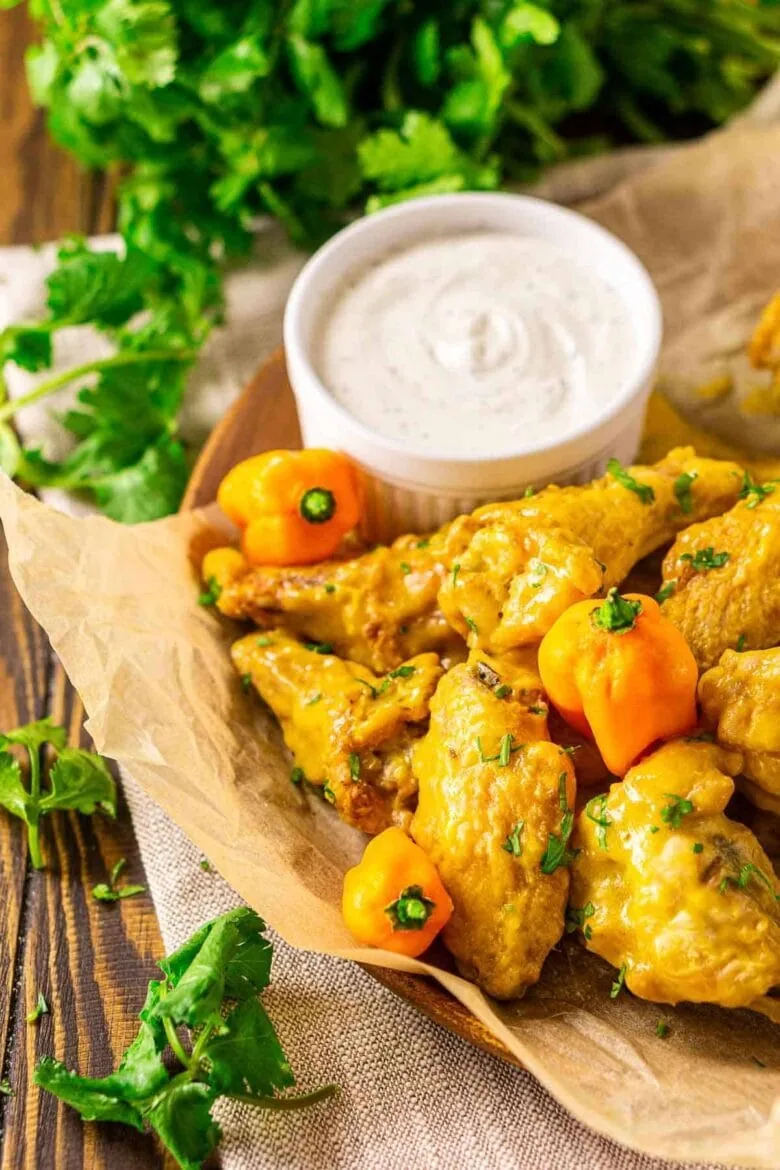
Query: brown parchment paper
x=152, y=668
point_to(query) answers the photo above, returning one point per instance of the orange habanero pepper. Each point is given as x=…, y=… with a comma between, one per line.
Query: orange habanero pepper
x=394, y=897
x=293, y=507
x=620, y=672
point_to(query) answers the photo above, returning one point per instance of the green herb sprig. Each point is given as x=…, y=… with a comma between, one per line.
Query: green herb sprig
x=206, y=1010
x=77, y=779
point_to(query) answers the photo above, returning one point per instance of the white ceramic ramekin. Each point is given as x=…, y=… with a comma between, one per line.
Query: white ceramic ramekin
x=410, y=490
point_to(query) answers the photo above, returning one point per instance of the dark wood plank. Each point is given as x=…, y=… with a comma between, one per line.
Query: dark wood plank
x=44, y=193
x=92, y=961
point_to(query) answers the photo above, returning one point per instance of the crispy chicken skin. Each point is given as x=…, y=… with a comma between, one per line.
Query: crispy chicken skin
x=740, y=701
x=683, y=923
x=377, y=609
x=734, y=603
x=526, y=562
x=351, y=732
x=508, y=913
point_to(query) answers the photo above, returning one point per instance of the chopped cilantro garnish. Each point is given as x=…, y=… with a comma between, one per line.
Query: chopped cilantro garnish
x=328, y=793
x=666, y=591
x=536, y=710
x=405, y=568
x=41, y=1009
x=741, y=642
x=513, y=843
x=246, y=683
x=577, y=919
x=411, y=909
x=375, y=691
x=212, y=593
x=319, y=647
x=297, y=776
x=110, y=892
x=682, y=490
x=705, y=559
x=264, y=640
x=618, y=984
x=672, y=814
x=330, y=587
x=502, y=691
x=5, y=1088
x=618, y=472
x=596, y=811
x=205, y=865
x=754, y=492
x=662, y=1029
x=537, y=571
x=472, y=625
x=354, y=765
x=505, y=751
x=557, y=853
x=616, y=614
x=316, y=698
x=529, y=492
x=423, y=543
x=746, y=872
x=402, y=672
x=698, y=847
x=455, y=572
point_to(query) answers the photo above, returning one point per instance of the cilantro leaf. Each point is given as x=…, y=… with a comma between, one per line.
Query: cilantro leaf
x=80, y=780
x=245, y=1055
x=100, y=287
x=230, y=958
x=28, y=347
x=182, y=1119
x=13, y=795
x=318, y=80
x=94, y=1099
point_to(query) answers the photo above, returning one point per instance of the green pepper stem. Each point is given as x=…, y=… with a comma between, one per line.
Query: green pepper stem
x=616, y=614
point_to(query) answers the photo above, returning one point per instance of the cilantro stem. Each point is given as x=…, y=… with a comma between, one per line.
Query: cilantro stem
x=33, y=827
x=177, y=1047
x=301, y=1101
x=57, y=381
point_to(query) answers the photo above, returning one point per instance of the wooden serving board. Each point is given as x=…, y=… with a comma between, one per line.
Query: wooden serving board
x=262, y=419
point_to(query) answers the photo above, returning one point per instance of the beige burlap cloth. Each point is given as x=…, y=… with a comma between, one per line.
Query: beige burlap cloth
x=412, y=1096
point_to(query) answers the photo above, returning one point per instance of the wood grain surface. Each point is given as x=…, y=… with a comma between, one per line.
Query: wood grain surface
x=91, y=960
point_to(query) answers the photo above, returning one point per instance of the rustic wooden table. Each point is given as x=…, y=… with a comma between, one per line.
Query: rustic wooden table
x=91, y=960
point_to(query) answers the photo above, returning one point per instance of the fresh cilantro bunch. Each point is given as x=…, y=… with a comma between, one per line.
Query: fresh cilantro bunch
x=76, y=779
x=306, y=110
x=205, y=1011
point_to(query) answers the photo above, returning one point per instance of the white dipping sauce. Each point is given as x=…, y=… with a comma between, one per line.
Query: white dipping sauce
x=475, y=344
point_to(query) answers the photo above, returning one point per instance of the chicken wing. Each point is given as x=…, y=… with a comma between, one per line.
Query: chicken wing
x=740, y=700
x=377, y=609
x=526, y=562
x=494, y=815
x=725, y=578
x=668, y=889
x=350, y=732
